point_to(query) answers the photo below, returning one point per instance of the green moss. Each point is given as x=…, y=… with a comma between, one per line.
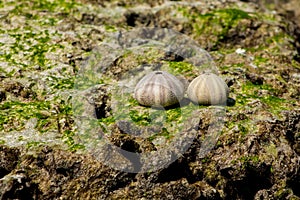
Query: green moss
x=89, y=79
x=273, y=101
x=232, y=67
x=32, y=9
x=54, y=6
x=280, y=40
x=108, y=120
x=31, y=44
x=64, y=119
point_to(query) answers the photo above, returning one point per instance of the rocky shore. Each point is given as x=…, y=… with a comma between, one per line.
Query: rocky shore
x=45, y=46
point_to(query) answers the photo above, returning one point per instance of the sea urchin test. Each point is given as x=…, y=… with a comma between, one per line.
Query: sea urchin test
x=208, y=89
x=159, y=89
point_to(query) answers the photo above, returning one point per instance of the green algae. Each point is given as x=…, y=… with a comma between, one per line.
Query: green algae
x=29, y=49
x=243, y=127
x=110, y=28
x=252, y=160
x=182, y=68
x=62, y=83
x=36, y=44
x=163, y=133
x=51, y=116
x=260, y=60
x=14, y=114
x=54, y=118
x=68, y=138
x=275, y=104
x=145, y=116
x=31, y=43
x=217, y=22
x=143, y=119
x=64, y=6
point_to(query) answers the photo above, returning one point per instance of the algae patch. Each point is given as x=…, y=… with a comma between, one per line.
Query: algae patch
x=217, y=22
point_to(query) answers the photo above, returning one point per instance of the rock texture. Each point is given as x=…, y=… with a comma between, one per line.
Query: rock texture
x=44, y=44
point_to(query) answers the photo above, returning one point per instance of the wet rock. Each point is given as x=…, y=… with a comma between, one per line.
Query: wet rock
x=55, y=173
x=2, y=95
x=293, y=130
x=18, y=186
x=8, y=160
x=14, y=87
x=138, y=19
x=101, y=99
x=179, y=189
x=257, y=80
x=19, y=90
x=256, y=156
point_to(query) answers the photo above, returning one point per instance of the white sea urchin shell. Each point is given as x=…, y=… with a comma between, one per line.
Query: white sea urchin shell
x=208, y=89
x=159, y=88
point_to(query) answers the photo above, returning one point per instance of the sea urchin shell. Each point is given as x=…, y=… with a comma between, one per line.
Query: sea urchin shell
x=208, y=89
x=159, y=88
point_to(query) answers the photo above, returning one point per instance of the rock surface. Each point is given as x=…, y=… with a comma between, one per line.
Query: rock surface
x=44, y=45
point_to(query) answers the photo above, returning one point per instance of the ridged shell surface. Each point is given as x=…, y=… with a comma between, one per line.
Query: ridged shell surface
x=159, y=88
x=208, y=89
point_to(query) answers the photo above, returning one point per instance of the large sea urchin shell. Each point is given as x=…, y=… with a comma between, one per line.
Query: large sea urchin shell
x=208, y=89
x=159, y=88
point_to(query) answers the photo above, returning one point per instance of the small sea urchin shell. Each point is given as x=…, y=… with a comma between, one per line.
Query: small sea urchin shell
x=159, y=88
x=208, y=89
